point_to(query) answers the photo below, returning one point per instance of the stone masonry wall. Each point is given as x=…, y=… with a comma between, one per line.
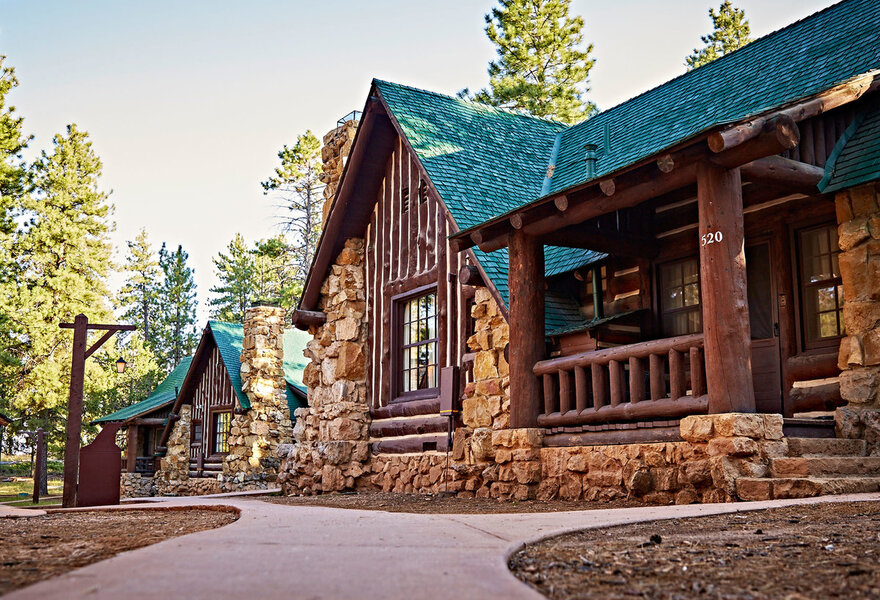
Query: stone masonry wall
x=331, y=438
x=254, y=436
x=858, y=215
x=172, y=478
x=337, y=145
x=136, y=485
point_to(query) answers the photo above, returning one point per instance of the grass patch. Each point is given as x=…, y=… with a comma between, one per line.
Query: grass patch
x=10, y=490
x=28, y=502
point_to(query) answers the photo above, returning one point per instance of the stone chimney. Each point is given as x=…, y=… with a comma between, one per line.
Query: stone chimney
x=251, y=462
x=337, y=145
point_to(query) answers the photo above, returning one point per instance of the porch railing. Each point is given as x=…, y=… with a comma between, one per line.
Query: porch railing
x=650, y=380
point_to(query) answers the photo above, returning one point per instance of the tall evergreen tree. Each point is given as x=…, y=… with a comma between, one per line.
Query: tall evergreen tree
x=235, y=270
x=138, y=294
x=262, y=273
x=175, y=334
x=297, y=181
x=730, y=30
x=13, y=185
x=63, y=253
x=543, y=66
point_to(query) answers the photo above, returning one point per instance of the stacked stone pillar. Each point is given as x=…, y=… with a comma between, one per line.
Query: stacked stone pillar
x=254, y=436
x=858, y=214
x=337, y=146
x=331, y=449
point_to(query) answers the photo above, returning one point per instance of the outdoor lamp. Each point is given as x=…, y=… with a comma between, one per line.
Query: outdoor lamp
x=120, y=365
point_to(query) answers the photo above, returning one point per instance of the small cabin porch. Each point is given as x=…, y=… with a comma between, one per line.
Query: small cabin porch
x=720, y=292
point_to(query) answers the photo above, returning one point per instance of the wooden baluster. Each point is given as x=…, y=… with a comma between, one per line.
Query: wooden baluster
x=658, y=381
x=676, y=375
x=636, y=380
x=615, y=373
x=549, y=394
x=698, y=383
x=564, y=392
x=599, y=394
x=580, y=388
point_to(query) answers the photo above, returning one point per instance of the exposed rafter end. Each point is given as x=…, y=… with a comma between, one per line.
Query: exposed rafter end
x=470, y=275
x=303, y=319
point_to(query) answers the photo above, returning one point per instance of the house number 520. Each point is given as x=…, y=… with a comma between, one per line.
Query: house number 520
x=713, y=237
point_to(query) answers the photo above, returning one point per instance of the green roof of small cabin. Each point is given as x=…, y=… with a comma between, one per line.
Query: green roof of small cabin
x=486, y=162
x=856, y=157
x=228, y=337
x=164, y=394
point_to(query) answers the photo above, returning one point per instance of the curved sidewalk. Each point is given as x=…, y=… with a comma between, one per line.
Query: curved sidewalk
x=284, y=552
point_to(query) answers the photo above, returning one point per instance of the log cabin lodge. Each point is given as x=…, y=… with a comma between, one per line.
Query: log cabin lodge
x=675, y=300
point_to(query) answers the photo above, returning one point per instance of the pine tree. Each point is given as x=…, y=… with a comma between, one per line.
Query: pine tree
x=235, y=271
x=730, y=30
x=298, y=182
x=261, y=273
x=138, y=294
x=175, y=332
x=63, y=253
x=543, y=66
x=13, y=186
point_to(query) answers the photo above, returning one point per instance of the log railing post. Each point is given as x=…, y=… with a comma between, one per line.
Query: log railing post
x=580, y=388
x=658, y=383
x=723, y=290
x=526, y=285
x=615, y=378
x=636, y=380
x=564, y=391
x=676, y=375
x=549, y=393
x=599, y=396
x=698, y=387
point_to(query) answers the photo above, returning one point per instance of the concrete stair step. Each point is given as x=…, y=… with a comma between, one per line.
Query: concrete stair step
x=830, y=466
x=807, y=447
x=769, y=488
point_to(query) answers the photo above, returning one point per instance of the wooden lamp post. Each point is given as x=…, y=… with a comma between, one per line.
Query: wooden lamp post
x=81, y=328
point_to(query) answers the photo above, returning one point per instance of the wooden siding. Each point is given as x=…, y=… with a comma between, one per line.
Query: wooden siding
x=214, y=389
x=405, y=250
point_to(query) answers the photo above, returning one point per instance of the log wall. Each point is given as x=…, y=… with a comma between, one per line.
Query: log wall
x=406, y=248
x=213, y=389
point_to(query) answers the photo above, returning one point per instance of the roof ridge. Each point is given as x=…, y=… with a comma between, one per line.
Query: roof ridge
x=714, y=63
x=516, y=112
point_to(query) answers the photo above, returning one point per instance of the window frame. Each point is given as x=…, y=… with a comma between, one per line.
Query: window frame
x=661, y=311
x=213, y=414
x=801, y=287
x=398, y=302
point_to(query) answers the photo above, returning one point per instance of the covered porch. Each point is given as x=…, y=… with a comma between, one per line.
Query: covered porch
x=720, y=291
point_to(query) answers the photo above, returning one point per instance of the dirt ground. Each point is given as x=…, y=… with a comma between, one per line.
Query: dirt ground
x=794, y=553
x=439, y=504
x=36, y=548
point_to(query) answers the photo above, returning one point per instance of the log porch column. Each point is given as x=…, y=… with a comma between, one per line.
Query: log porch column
x=723, y=288
x=526, y=286
x=131, y=448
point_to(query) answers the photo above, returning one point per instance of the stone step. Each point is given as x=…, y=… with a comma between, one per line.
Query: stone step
x=825, y=447
x=767, y=488
x=825, y=466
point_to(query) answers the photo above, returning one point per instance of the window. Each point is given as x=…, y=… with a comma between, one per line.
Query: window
x=680, y=297
x=220, y=439
x=821, y=285
x=418, y=347
x=196, y=432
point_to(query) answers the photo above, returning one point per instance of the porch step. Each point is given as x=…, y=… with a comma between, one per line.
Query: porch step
x=808, y=447
x=763, y=488
x=808, y=428
x=814, y=466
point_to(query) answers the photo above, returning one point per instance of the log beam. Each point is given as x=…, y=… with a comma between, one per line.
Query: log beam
x=526, y=283
x=793, y=175
x=779, y=134
x=610, y=242
x=723, y=289
x=470, y=275
x=131, y=449
x=303, y=319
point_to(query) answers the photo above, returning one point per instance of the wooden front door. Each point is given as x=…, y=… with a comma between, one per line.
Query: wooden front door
x=764, y=323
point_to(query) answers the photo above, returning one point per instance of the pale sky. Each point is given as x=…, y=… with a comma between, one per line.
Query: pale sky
x=187, y=103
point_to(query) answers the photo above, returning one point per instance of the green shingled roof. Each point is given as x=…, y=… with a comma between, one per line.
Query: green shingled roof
x=164, y=394
x=486, y=162
x=228, y=337
x=856, y=157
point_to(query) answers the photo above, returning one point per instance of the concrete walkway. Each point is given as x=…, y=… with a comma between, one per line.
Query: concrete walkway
x=285, y=552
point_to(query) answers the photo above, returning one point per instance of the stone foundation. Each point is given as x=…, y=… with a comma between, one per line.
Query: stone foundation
x=858, y=213
x=136, y=485
x=331, y=449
